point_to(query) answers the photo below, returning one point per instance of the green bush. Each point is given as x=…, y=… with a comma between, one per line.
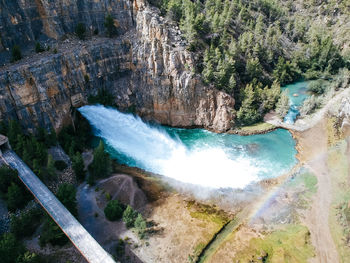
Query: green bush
x=317, y=87
x=60, y=165
x=140, y=225
x=114, y=210
x=101, y=166
x=10, y=248
x=78, y=166
x=7, y=176
x=129, y=216
x=67, y=195
x=80, y=31
x=38, y=48
x=25, y=224
x=109, y=25
x=16, y=53
x=15, y=198
x=52, y=233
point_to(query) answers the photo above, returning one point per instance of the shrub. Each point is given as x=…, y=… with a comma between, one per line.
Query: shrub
x=52, y=234
x=16, y=53
x=101, y=166
x=113, y=210
x=317, y=87
x=60, y=165
x=7, y=176
x=67, y=195
x=310, y=105
x=109, y=25
x=38, y=48
x=15, y=197
x=140, y=225
x=10, y=248
x=78, y=166
x=282, y=106
x=25, y=224
x=129, y=216
x=80, y=30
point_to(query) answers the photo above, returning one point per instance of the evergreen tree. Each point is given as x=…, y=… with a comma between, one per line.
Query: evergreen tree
x=109, y=25
x=78, y=166
x=67, y=195
x=282, y=106
x=51, y=167
x=129, y=216
x=16, y=53
x=10, y=248
x=80, y=30
x=15, y=197
x=101, y=166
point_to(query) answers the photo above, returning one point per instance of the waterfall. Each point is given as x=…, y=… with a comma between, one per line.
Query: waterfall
x=154, y=150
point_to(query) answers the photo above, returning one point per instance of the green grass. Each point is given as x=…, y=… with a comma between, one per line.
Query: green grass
x=308, y=180
x=291, y=244
x=207, y=213
x=257, y=128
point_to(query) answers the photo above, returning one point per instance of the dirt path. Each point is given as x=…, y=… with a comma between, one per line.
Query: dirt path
x=312, y=148
x=317, y=217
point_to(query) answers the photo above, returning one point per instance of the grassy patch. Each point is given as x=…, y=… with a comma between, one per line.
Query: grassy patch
x=291, y=244
x=339, y=212
x=207, y=213
x=308, y=180
x=260, y=127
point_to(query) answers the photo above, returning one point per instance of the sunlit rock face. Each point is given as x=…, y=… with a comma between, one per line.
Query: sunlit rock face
x=147, y=67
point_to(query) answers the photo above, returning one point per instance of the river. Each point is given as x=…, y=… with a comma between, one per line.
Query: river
x=192, y=156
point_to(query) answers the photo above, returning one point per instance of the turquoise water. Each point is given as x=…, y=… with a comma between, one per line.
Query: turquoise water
x=193, y=156
x=297, y=93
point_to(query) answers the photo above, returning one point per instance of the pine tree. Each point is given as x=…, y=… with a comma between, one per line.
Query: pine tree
x=51, y=167
x=78, y=166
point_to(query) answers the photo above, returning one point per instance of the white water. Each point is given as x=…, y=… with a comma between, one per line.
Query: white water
x=155, y=151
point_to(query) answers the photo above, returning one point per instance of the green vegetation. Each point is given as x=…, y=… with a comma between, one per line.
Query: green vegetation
x=140, y=225
x=291, y=244
x=52, y=233
x=114, y=210
x=75, y=138
x=25, y=224
x=260, y=127
x=13, y=190
x=129, y=216
x=10, y=248
x=67, y=195
x=317, y=87
x=16, y=53
x=78, y=166
x=60, y=165
x=39, y=48
x=80, y=31
x=109, y=25
x=101, y=166
x=241, y=45
x=282, y=106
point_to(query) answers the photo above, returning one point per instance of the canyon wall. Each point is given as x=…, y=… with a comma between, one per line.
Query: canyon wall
x=146, y=68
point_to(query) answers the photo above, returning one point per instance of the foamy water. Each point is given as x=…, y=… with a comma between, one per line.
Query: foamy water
x=200, y=157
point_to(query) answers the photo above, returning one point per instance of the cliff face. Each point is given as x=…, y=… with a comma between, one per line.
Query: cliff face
x=147, y=67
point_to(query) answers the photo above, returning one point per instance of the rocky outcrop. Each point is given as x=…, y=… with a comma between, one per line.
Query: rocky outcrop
x=147, y=68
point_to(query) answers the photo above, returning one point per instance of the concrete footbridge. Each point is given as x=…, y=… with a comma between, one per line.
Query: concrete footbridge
x=82, y=240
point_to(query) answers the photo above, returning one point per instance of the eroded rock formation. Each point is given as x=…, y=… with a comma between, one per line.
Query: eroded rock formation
x=147, y=67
